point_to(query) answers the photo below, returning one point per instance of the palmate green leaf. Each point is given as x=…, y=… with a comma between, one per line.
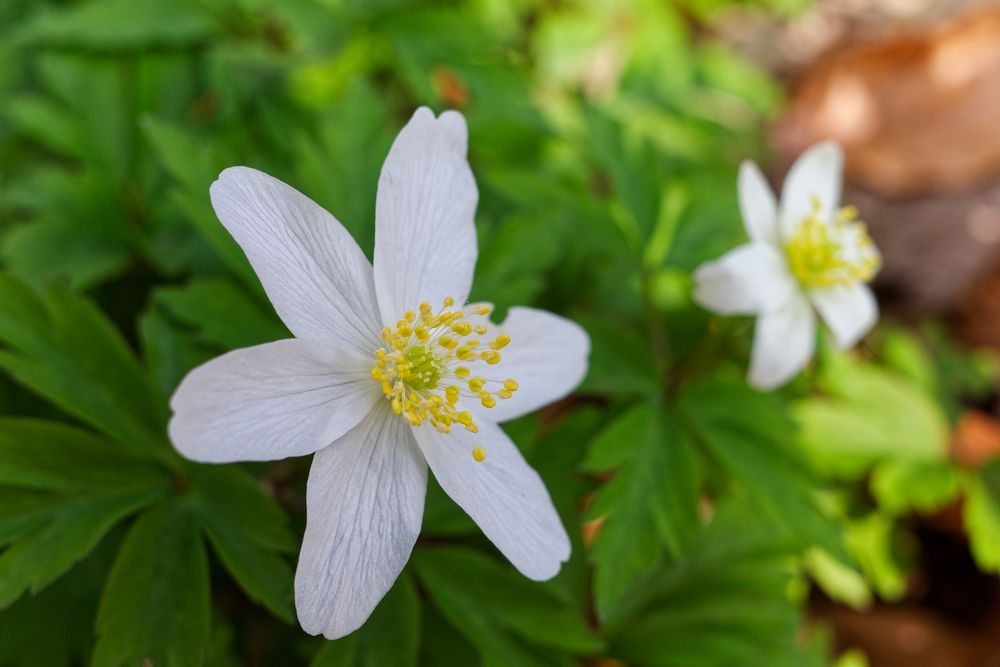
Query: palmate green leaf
x=524, y=622
x=389, y=638
x=61, y=347
x=249, y=532
x=155, y=606
x=871, y=414
x=224, y=314
x=649, y=508
x=982, y=516
x=725, y=603
x=61, y=490
x=40, y=557
x=752, y=438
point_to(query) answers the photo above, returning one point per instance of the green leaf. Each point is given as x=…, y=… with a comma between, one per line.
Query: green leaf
x=61, y=490
x=389, y=638
x=63, y=348
x=982, y=517
x=50, y=456
x=28, y=638
x=521, y=617
x=167, y=349
x=249, y=532
x=38, y=559
x=224, y=314
x=620, y=361
x=194, y=166
x=870, y=540
x=902, y=485
x=841, y=582
x=515, y=260
x=752, y=438
x=155, y=606
x=118, y=25
x=77, y=231
x=725, y=603
x=870, y=415
x=649, y=508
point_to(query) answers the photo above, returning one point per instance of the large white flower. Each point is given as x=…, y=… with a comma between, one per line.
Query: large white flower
x=388, y=373
x=806, y=253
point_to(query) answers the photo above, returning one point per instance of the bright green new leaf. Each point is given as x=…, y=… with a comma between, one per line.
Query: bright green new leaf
x=982, y=517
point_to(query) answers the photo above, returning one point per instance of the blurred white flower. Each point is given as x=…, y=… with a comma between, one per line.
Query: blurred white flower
x=388, y=373
x=806, y=253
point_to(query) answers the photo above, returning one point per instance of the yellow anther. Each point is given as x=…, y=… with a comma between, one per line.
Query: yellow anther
x=449, y=302
x=419, y=378
x=478, y=454
x=834, y=252
x=483, y=310
x=502, y=341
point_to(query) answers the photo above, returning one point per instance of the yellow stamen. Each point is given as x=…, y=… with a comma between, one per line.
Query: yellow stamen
x=830, y=253
x=423, y=368
x=478, y=454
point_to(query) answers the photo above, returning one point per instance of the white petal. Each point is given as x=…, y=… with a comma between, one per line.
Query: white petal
x=816, y=174
x=502, y=494
x=547, y=356
x=364, y=504
x=757, y=205
x=749, y=279
x=316, y=276
x=783, y=343
x=271, y=401
x=849, y=311
x=425, y=234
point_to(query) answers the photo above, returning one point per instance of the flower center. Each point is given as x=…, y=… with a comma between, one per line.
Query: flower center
x=428, y=362
x=828, y=253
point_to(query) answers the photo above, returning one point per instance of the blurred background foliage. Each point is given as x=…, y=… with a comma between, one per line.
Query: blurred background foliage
x=605, y=137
